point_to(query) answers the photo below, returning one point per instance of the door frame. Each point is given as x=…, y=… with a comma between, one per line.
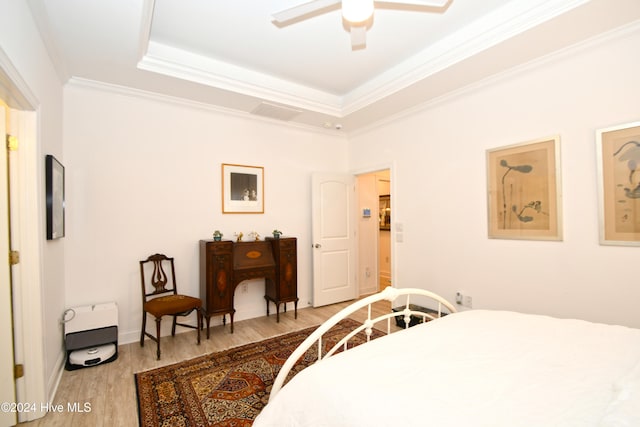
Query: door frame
x=391, y=166
x=28, y=309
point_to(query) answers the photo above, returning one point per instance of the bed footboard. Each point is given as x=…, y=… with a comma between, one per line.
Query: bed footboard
x=389, y=294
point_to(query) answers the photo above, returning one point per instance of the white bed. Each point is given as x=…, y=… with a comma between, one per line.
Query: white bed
x=474, y=368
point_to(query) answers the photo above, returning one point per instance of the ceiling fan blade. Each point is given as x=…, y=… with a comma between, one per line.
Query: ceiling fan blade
x=303, y=9
x=358, y=36
x=430, y=3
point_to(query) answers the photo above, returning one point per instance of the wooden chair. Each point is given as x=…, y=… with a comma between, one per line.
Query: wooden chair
x=163, y=301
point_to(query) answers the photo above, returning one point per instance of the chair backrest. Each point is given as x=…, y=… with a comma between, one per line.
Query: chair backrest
x=156, y=282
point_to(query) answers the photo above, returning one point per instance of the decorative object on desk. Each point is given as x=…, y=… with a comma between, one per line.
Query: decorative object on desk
x=242, y=189
x=524, y=190
x=239, y=236
x=276, y=233
x=217, y=235
x=619, y=184
x=229, y=387
x=54, y=177
x=255, y=236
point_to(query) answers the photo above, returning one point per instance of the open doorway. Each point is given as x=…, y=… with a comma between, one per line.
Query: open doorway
x=374, y=231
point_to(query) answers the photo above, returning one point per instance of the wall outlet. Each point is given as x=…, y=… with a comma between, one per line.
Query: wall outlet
x=245, y=288
x=467, y=301
x=464, y=300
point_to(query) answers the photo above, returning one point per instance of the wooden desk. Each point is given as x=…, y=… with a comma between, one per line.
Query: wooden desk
x=225, y=264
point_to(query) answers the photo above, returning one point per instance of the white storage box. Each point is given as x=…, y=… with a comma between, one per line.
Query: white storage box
x=90, y=317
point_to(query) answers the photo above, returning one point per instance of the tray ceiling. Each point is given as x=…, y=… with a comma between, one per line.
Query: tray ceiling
x=229, y=54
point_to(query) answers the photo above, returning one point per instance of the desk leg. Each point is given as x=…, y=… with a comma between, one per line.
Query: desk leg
x=208, y=319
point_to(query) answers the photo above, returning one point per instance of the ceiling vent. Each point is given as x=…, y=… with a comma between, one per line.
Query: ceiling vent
x=274, y=111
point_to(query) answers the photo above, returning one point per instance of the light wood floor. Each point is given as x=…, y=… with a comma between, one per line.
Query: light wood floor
x=109, y=390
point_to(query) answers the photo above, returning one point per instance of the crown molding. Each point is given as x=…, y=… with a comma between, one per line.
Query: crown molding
x=188, y=66
x=188, y=103
x=620, y=33
x=504, y=23
x=508, y=21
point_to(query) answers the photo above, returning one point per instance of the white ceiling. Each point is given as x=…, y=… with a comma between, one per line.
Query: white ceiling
x=229, y=53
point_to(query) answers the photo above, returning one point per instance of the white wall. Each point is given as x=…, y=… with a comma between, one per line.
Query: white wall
x=144, y=176
x=20, y=41
x=439, y=186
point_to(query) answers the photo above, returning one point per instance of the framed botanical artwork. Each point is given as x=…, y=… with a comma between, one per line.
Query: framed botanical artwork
x=618, y=153
x=54, y=189
x=524, y=191
x=242, y=189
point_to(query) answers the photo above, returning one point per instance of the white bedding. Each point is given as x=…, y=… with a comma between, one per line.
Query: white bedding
x=474, y=368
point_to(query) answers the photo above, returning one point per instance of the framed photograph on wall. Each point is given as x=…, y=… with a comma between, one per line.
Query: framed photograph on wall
x=618, y=153
x=524, y=190
x=242, y=189
x=54, y=189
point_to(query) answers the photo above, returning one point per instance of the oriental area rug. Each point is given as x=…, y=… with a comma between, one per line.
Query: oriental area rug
x=227, y=388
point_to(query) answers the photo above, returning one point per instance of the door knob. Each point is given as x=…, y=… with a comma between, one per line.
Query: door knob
x=317, y=246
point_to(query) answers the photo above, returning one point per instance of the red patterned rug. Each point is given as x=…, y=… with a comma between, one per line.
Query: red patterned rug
x=227, y=388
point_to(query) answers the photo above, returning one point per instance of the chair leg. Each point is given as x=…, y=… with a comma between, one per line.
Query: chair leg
x=158, y=319
x=199, y=314
x=173, y=327
x=144, y=326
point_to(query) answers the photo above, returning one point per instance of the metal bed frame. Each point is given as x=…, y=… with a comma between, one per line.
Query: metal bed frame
x=389, y=294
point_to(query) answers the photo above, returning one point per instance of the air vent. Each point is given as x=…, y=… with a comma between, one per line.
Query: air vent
x=274, y=111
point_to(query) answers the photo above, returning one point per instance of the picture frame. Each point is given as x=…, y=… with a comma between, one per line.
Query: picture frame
x=55, y=197
x=242, y=189
x=524, y=190
x=385, y=212
x=618, y=157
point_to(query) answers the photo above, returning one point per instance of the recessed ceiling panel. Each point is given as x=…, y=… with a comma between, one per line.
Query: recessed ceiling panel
x=314, y=52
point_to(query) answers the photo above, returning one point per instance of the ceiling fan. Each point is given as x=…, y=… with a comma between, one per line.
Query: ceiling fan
x=356, y=13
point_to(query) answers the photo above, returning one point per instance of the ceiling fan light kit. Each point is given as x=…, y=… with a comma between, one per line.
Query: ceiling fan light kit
x=357, y=11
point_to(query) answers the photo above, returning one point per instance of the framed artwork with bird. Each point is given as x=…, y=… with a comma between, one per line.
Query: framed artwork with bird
x=618, y=151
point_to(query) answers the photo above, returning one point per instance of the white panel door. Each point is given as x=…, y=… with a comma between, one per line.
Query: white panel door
x=7, y=391
x=333, y=237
